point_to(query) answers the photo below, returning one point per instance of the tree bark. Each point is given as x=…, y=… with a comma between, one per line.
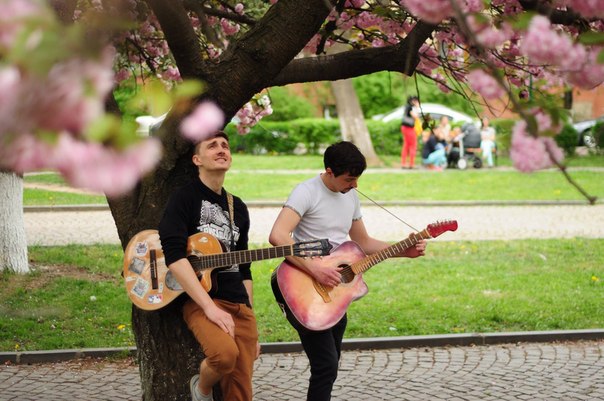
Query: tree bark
x=352, y=121
x=13, y=242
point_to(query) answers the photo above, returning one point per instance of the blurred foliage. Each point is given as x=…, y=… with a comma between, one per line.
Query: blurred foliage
x=598, y=132
x=383, y=91
x=288, y=106
x=309, y=135
x=567, y=139
x=503, y=133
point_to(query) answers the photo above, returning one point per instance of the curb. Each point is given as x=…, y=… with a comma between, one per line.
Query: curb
x=261, y=204
x=357, y=344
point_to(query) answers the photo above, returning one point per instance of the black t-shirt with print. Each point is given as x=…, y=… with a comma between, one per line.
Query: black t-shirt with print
x=195, y=208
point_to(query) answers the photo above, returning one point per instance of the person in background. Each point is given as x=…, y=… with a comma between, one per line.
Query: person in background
x=327, y=206
x=434, y=156
x=487, y=141
x=410, y=117
x=222, y=321
x=445, y=126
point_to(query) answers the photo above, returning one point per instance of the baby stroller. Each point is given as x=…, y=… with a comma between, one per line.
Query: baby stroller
x=464, y=151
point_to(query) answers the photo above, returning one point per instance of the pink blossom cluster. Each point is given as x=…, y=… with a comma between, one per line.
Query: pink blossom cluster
x=587, y=8
x=252, y=112
x=46, y=110
x=590, y=74
x=87, y=165
x=354, y=3
x=530, y=153
x=206, y=119
x=486, y=33
x=543, y=45
x=14, y=13
x=67, y=98
x=485, y=84
x=433, y=11
x=228, y=27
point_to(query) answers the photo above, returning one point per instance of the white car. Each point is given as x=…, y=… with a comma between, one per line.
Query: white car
x=146, y=122
x=436, y=111
x=585, y=132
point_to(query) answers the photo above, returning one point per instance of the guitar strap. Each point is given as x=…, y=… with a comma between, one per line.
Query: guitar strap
x=232, y=217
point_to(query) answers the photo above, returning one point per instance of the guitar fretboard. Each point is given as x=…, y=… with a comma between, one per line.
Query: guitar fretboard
x=393, y=250
x=237, y=257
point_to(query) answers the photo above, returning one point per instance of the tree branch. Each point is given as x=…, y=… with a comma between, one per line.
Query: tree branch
x=250, y=64
x=180, y=36
x=555, y=16
x=402, y=57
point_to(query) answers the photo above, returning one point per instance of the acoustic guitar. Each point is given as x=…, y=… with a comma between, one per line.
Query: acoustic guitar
x=150, y=284
x=311, y=305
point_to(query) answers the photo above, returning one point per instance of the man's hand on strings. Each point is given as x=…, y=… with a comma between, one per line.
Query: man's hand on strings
x=416, y=251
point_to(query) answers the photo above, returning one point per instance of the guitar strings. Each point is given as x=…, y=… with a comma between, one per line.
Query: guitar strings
x=388, y=211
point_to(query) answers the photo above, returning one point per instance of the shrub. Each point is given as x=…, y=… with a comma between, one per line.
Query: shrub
x=287, y=106
x=567, y=139
x=309, y=135
x=503, y=128
x=598, y=131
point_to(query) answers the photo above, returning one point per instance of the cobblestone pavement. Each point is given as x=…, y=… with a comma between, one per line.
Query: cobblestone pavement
x=533, y=371
x=475, y=223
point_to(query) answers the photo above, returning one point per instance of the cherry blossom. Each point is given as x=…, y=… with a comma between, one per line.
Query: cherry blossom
x=485, y=84
x=206, y=119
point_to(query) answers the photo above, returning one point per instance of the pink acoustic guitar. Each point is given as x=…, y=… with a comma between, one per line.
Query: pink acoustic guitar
x=308, y=304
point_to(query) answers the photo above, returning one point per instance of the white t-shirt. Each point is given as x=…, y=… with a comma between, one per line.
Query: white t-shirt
x=323, y=213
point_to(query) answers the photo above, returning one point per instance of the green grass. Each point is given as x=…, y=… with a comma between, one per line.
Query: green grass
x=477, y=185
x=459, y=287
x=253, y=178
x=42, y=197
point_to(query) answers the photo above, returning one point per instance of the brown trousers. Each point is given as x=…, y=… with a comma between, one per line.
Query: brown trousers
x=231, y=357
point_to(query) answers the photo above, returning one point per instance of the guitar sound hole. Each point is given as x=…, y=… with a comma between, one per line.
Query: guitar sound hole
x=347, y=274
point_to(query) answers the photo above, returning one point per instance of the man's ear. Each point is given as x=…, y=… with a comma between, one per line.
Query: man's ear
x=329, y=171
x=196, y=160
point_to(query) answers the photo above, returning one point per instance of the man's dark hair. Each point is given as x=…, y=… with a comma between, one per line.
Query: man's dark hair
x=344, y=157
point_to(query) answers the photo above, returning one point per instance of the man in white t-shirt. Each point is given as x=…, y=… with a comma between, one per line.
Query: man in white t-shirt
x=326, y=207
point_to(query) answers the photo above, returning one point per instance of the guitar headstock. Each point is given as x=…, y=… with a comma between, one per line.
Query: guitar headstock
x=307, y=249
x=436, y=229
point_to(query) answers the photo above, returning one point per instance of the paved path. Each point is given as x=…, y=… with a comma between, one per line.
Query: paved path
x=559, y=371
x=475, y=223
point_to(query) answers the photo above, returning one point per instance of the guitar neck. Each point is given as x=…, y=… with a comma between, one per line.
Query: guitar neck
x=393, y=250
x=237, y=257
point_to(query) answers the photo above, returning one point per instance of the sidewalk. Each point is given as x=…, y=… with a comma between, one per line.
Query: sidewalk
x=567, y=371
x=486, y=222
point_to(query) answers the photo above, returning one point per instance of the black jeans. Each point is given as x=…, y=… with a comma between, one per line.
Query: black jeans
x=323, y=349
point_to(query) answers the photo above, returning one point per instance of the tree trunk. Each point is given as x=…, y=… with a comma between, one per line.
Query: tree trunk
x=352, y=121
x=13, y=242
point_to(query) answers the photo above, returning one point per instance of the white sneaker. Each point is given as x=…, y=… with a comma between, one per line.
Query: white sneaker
x=195, y=393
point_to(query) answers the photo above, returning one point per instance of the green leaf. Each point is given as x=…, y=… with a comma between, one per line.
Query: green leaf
x=600, y=58
x=522, y=21
x=189, y=89
x=591, y=38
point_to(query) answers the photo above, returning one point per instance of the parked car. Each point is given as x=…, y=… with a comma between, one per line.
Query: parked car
x=146, y=122
x=436, y=111
x=585, y=132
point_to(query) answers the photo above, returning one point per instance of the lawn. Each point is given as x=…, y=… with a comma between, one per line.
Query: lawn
x=271, y=178
x=76, y=297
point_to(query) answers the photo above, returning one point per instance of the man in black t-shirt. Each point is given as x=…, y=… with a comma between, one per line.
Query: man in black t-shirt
x=222, y=321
